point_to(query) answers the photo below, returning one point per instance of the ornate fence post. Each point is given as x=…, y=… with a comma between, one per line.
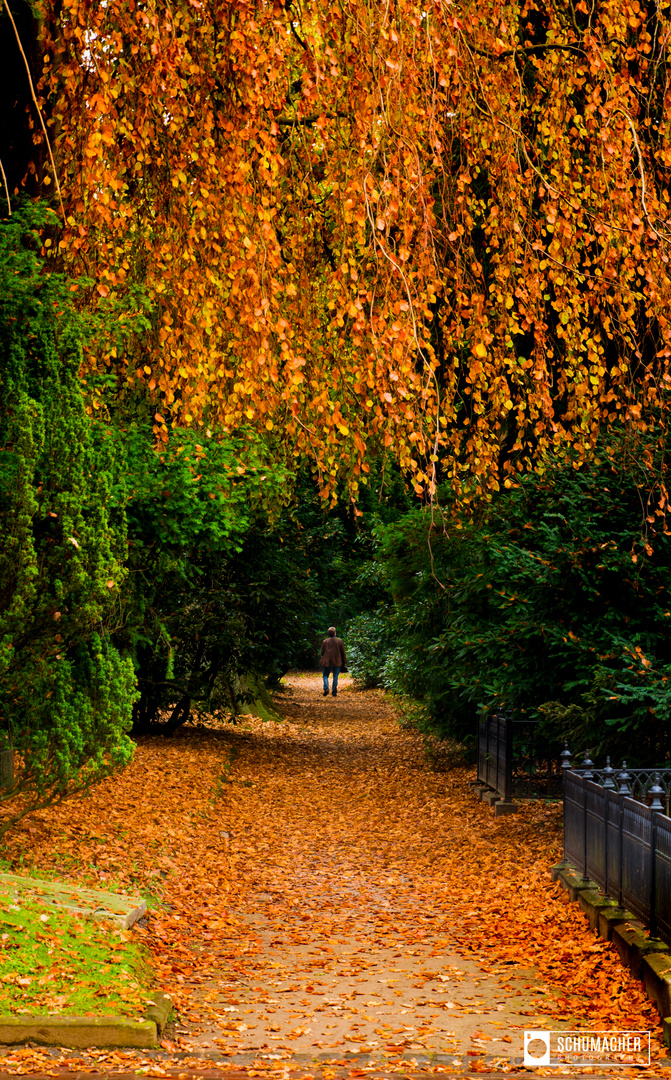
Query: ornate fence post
x=656, y=807
x=608, y=786
x=508, y=777
x=623, y=778
x=497, y=747
x=565, y=766
x=608, y=775
x=483, y=746
x=587, y=774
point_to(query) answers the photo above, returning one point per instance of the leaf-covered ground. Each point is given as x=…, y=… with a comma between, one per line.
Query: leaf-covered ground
x=320, y=893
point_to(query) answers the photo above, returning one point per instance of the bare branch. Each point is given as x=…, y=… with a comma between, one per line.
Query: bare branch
x=306, y=121
x=641, y=170
x=528, y=50
x=39, y=111
x=4, y=180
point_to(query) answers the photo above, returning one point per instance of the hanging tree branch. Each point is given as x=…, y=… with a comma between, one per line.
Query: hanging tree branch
x=39, y=111
x=4, y=180
x=528, y=50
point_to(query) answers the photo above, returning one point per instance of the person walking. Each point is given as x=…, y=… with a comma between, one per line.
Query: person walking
x=332, y=660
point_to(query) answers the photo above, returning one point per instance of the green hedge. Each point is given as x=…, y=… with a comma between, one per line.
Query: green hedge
x=65, y=692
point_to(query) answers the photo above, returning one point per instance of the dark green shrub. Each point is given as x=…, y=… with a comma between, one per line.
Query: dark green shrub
x=207, y=607
x=552, y=599
x=65, y=693
x=369, y=643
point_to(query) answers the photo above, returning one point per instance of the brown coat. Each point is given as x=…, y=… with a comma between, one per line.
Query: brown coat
x=333, y=653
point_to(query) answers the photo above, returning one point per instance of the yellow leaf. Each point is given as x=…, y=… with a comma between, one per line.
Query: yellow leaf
x=480, y=350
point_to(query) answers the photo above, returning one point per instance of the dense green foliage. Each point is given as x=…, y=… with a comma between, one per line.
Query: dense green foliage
x=236, y=572
x=65, y=692
x=556, y=603
x=186, y=624
x=370, y=640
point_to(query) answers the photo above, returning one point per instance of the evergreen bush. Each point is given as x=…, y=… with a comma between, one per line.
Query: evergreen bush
x=368, y=646
x=553, y=600
x=65, y=692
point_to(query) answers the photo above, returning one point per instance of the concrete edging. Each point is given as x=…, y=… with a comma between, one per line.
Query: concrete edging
x=494, y=799
x=648, y=959
x=81, y=1032
x=78, y=900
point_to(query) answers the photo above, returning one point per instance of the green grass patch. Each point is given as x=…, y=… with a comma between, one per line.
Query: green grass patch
x=53, y=962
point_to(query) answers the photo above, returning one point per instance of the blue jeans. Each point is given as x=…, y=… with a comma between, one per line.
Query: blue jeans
x=325, y=672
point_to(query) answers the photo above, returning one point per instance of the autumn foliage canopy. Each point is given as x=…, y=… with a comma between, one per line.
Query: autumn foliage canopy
x=438, y=228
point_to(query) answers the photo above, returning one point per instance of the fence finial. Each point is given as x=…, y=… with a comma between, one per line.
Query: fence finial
x=656, y=790
x=586, y=767
x=623, y=779
x=608, y=776
x=565, y=757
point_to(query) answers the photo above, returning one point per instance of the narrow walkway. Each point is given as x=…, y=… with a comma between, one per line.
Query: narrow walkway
x=324, y=902
x=350, y=855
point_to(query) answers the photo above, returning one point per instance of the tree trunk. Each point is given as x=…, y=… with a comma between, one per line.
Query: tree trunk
x=180, y=715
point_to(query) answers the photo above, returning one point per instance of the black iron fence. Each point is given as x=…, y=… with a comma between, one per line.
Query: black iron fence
x=536, y=762
x=495, y=750
x=514, y=761
x=637, y=783
x=617, y=833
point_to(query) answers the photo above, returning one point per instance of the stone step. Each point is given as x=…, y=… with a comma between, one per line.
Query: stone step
x=94, y=903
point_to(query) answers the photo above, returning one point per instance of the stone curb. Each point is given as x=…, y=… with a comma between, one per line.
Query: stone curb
x=159, y=1012
x=648, y=959
x=78, y=1032
x=292, y=1070
x=656, y=977
x=612, y=917
x=632, y=943
x=494, y=800
x=88, y=1032
x=123, y=910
